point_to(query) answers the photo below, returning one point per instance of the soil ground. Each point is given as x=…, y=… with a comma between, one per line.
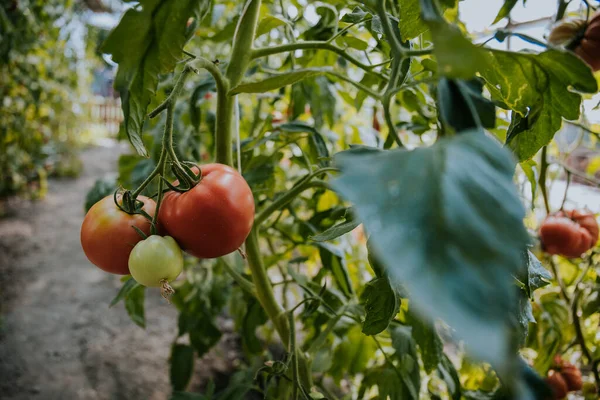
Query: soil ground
x=58, y=337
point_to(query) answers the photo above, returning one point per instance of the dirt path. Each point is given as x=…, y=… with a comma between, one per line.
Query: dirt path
x=58, y=338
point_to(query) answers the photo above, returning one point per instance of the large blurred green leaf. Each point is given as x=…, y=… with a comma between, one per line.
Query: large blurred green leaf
x=447, y=222
x=148, y=42
x=538, y=87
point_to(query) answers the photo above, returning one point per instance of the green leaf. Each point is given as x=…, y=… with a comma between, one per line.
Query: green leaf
x=197, y=95
x=529, y=168
x=102, y=187
x=182, y=366
x=267, y=24
x=334, y=261
x=505, y=10
x=524, y=317
x=533, y=275
x=134, y=304
x=427, y=339
x=381, y=305
x=448, y=373
x=277, y=81
x=452, y=234
x=451, y=49
x=412, y=23
x=254, y=318
x=406, y=353
x=353, y=354
x=389, y=386
x=461, y=105
x=317, y=142
x=336, y=231
x=204, y=336
x=148, y=42
x=127, y=287
x=353, y=42
x=538, y=87
x=357, y=15
x=187, y=396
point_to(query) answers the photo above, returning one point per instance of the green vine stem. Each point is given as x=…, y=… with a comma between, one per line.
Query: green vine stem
x=242, y=54
x=264, y=289
x=300, y=186
x=542, y=178
x=167, y=140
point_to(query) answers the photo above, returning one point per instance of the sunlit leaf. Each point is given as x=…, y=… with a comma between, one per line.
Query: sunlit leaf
x=538, y=87
x=148, y=42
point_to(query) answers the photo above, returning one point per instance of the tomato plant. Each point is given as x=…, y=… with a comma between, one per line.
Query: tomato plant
x=108, y=234
x=376, y=122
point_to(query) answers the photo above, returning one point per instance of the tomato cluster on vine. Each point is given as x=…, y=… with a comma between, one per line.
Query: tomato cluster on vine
x=563, y=378
x=581, y=37
x=208, y=220
x=569, y=233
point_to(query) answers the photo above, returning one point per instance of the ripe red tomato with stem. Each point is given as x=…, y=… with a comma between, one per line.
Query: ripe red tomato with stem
x=572, y=376
x=569, y=233
x=214, y=217
x=557, y=384
x=108, y=236
x=581, y=37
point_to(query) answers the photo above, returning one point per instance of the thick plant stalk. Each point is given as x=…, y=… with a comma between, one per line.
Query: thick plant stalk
x=240, y=59
x=241, y=56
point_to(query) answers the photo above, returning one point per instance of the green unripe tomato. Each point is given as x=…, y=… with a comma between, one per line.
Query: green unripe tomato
x=155, y=260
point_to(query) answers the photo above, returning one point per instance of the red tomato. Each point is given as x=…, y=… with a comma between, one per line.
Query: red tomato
x=572, y=376
x=569, y=233
x=557, y=384
x=583, y=38
x=213, y=218
x=107, y=236
x=589, y=48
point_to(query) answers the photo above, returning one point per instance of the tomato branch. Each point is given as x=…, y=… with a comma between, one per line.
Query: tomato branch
x=300, y=186
x=397, y=48
x=358, y=85
x=319, y=45
x=244, y=283
x=346, y=29
x=542, y=178
x=264, y=290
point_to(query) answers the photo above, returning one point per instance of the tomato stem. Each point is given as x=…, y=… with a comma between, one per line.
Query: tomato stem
x=301, y=185
x=166, y=290
x=542, y=178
